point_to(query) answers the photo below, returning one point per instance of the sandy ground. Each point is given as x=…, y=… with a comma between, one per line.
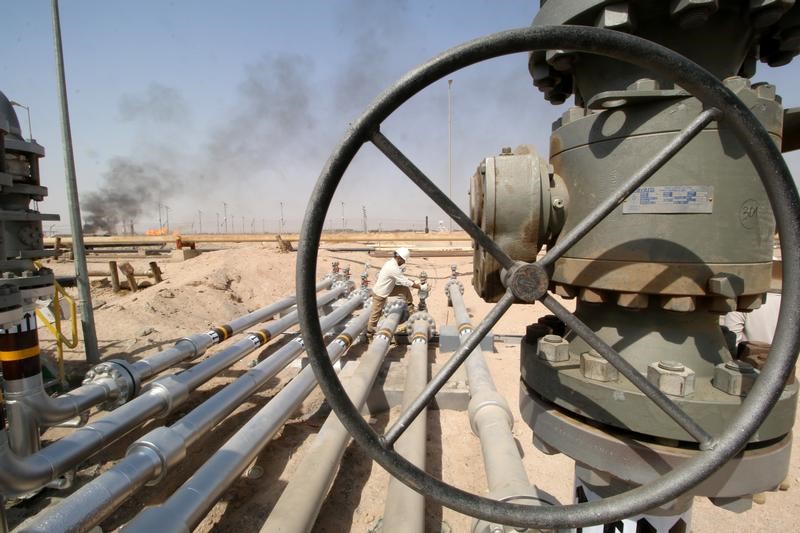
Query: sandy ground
x=223, y=284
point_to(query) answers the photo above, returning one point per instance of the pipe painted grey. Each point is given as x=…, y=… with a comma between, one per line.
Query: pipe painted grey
x=151, y=456
x=297, y=509
x=405, y=508
x=21, y=475
x=492, y=421
x=190, y=503
x=50, y=411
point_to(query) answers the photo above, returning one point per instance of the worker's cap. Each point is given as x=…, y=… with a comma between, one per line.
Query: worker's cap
x=404, y=253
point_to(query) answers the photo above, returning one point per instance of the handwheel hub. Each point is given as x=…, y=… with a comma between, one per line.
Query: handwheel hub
x=527, y=281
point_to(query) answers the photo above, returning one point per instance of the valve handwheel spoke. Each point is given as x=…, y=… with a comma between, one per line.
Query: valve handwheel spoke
x=528, y=281
x=460, y=355
x=434, y=193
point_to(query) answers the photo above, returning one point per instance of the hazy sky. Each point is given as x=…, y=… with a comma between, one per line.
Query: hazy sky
x=202, y=103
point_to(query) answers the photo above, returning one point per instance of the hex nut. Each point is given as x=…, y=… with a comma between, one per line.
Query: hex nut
x=682, y=304
x=591, y=295
x=561, y=60
x=615, y=17
x=767, y=12
x=726, y=285
x=633, y=300
x=553, y=348
x=734, y=377
x=750, y=302
x=596, y=368
x=565, y=291
x=692, y=13
x=644, y=84
x=671, y=378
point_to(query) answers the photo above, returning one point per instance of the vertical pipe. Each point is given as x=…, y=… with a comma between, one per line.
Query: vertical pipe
x=298, y=507
x=78, y=250
x=405, y=507
x=22, y=368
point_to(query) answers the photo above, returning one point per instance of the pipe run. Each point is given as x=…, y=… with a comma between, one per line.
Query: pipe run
x=190, y=503
x=117, y=381
x=298, y=507
x=405, y=507
x=21, y=475
x=491, y=420
x=149, y=459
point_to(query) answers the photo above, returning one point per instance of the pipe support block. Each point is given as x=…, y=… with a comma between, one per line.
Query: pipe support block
x=488, y=399
x=166, y=444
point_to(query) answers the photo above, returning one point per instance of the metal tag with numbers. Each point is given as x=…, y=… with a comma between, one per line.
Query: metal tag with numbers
x=668, y=199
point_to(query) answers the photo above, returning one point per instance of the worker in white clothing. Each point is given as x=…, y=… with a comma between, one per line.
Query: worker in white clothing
x=391, y=282
x=759, y=325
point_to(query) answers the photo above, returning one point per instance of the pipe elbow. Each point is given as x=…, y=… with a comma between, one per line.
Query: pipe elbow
x=19, y=476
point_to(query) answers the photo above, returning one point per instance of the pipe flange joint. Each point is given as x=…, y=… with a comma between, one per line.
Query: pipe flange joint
x=363, y=293
x=484, y=399
x=346, y=284
x=453, y=281
x=398, y=305
x=118, y=377
x=174, y=392
x=167, y=446
x=422, y=315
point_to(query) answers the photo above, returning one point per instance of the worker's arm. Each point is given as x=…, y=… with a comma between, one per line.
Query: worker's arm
x=400, y=279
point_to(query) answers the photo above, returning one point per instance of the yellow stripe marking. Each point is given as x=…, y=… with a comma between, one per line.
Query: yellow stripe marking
x=16, y=355
x=464, y=327
x=263, y=336
x=385, y=332
x=422, y=336
x=346, y=339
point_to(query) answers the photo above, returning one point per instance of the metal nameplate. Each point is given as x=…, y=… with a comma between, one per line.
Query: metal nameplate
x=667, y=199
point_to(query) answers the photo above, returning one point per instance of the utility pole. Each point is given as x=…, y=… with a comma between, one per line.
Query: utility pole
x=252, y=225
x=217, y=222
x=243, y=230
x=364, y=217
x=199, y=221
x=166, y=211
x=283, y=222
x=160, y=223
x=342, y=216
x=225, y=217
x=450, y=142
x=78, y=248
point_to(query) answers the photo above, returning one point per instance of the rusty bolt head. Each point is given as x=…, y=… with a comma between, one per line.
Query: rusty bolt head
x=736, y=83
x=671, y=377
x=615, y=17
x=734, y=377
x=553, y=348
x=691, y=14
x=596, y=368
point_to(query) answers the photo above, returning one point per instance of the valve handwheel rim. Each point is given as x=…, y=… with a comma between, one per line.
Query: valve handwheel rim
x=720, y=104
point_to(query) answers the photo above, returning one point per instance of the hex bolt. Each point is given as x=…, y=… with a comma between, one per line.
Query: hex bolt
x=734, y=377
x=553, y=348
x=767, y=12
x=691, y=14
x=726, y=285
x=644, y=84
x=615, y=17
x=671, y=377
x=560, y=60
x=595, y=367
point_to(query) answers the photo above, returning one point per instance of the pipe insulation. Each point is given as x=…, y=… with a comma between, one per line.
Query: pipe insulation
x=297, y=508
x=491, y=420
x=405, y=508
x=116, y=381
x=190, y=503
x=20, y=475
x=149, y=459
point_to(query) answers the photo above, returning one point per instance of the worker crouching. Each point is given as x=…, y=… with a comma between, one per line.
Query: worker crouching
x=391, y=282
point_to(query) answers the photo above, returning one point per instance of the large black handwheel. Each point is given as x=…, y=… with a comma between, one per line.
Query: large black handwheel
x=529, y=281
